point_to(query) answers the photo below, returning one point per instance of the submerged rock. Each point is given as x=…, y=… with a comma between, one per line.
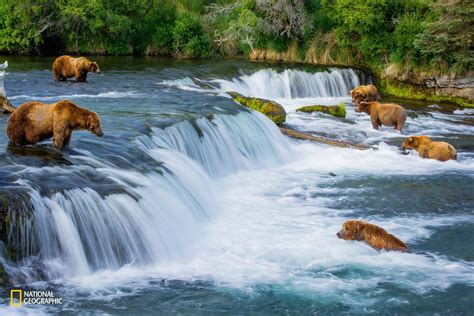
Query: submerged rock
x=271, y=109
x=334, y=110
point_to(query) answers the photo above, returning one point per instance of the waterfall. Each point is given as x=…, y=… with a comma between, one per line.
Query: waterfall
x=157, y=215
x=270, y=84
x=224, y=144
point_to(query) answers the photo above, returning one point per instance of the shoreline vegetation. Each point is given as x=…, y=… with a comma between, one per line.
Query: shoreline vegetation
x=415, y=49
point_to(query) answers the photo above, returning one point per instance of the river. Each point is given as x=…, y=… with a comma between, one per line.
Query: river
x=191, y=203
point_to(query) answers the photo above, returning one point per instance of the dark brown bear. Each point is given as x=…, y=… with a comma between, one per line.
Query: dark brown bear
x=375, y=236
x=33, y=122
x=66, y=67
x=389, y=114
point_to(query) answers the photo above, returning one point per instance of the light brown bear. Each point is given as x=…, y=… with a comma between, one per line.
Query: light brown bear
x=66, y=66
x=427, y=148
x=364, y=93
x=374, y=235
x=33, y=122
x=389, y=114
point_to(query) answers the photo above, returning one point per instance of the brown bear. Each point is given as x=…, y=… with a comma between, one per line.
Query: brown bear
x=389, y=114
x=66, y=66
x=375, y=236
x=427, y=148
x=364, y=93
x=33, y=122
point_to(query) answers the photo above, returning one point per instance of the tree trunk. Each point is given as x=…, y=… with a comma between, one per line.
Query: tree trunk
x=303, y=136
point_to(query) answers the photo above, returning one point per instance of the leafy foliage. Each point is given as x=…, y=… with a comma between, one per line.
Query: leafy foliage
x=418, y=34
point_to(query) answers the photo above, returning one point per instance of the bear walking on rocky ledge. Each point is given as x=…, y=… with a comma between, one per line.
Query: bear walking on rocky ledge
x=33, y=122
x=66, y=67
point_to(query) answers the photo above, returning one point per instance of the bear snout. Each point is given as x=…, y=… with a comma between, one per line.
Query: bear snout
x=339, y=234
x=99, y=132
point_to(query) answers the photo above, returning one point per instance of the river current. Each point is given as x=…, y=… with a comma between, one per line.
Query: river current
x=191, y=203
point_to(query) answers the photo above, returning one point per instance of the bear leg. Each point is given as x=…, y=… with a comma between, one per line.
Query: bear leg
x=61, y=135
x=81, y=76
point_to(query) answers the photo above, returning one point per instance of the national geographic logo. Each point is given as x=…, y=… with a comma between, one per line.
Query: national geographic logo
x=19, y=297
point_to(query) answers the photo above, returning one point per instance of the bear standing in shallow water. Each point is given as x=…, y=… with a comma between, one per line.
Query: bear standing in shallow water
x=66, y=66
x=33, y=122
x=389, y=114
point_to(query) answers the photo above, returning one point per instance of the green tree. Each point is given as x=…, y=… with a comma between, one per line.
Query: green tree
x=449, y=41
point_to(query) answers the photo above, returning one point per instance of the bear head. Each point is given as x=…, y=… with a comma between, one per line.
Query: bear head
x=94, y=67
x=351, y=230
x=357, y=94
x=413, y=142
x=93, y=124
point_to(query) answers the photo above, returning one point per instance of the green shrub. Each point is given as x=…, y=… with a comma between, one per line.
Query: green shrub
x=189, y=39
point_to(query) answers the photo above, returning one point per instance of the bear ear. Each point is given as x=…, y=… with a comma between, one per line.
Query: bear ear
x=410, y=140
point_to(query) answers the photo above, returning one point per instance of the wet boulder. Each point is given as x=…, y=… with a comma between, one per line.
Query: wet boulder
x=5, y=105
x=16, y=214
x=334, y=110
x=271, y=109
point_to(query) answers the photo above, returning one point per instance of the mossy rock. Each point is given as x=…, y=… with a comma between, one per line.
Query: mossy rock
x=334, y=110
x=271, y=109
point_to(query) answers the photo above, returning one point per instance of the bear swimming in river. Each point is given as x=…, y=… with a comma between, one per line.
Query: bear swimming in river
x=427, y=148
x=66, y=66
x=374, y=235
x=33, y=122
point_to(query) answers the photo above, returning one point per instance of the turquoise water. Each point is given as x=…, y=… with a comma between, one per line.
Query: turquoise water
x=191, y=203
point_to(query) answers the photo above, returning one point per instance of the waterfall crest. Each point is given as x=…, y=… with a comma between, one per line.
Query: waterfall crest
x=270, y=84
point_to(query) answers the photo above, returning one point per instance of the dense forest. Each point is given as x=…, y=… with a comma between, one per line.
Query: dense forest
x=426, y=35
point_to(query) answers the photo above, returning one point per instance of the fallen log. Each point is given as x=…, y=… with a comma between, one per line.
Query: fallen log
x=303, y=136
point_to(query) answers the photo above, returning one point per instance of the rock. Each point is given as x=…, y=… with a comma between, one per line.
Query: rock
x=5, y=105
x=334, y=110
x=412, y=114
x=271, y=109
x=15, y=213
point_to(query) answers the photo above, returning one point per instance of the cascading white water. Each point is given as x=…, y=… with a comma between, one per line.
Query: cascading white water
x=224, y=144
x=79, y=231
x=270, y=84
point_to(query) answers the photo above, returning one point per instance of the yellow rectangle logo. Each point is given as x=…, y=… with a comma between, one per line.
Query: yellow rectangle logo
x=14, y=300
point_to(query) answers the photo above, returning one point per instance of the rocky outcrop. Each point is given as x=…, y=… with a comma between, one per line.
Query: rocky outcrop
x=430, y=86
x=5, y=105
x=334, y=110
x=271, y=109
x=15, y=211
